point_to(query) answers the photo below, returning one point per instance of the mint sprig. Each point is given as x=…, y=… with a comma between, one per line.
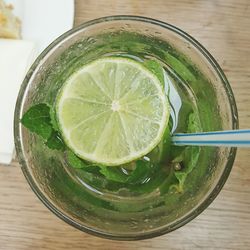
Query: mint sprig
x=53, y=119
x=40, y=119
x=37, y=120
x=189, y=155
x=113, y=174
x=74, y=160
x=156, y=68
x=55, y=141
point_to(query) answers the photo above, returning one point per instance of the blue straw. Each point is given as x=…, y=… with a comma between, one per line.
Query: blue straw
x=228, y=138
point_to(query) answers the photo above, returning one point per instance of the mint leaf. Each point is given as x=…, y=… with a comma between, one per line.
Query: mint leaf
x=74, y=160
x=193, y=122
x=140, y=173
x=113, y=174
x=53, y=119
x=188, y=156
x=92, y=169
x=40, y=119
x=156, y=68
x=181, y=177
x=180, y=68
x=190, y=159
x=55, y=141
x=37, y=119
x=169, y=182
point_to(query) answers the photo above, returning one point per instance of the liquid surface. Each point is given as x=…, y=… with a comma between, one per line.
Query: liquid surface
x=164, y=178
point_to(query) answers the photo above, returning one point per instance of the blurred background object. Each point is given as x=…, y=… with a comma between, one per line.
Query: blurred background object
x=38, y=23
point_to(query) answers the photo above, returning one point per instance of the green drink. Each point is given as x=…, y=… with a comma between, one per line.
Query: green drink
x=134, y=196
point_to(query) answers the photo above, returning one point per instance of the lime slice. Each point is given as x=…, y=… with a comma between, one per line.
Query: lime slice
x=112, y=111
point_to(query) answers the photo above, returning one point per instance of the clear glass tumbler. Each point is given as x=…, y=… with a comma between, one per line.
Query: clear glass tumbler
x=101, y=214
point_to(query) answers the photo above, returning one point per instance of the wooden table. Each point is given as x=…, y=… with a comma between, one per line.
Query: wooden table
x=222, y=26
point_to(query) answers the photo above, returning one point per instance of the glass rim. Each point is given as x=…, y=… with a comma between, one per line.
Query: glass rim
x=19, y=147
